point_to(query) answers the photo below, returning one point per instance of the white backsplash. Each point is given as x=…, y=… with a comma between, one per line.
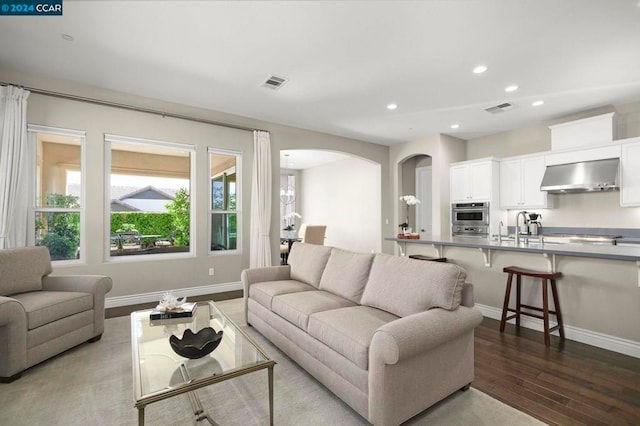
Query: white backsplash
x=586, y=210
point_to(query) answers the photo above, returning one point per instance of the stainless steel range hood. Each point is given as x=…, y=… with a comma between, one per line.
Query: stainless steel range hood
x=586, y=176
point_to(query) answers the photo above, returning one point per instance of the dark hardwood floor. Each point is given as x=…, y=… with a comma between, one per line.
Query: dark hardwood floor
x=575, y=384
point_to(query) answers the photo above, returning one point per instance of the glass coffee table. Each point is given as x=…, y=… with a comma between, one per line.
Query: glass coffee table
x=160, y=373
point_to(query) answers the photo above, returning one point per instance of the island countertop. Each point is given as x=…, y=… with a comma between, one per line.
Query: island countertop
x=626, y=252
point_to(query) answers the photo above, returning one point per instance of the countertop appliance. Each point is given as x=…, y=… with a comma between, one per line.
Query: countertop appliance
x=535, y=227
x=470, y=219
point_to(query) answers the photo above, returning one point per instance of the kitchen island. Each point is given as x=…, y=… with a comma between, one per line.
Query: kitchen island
x=598, y=290
x=627, y=252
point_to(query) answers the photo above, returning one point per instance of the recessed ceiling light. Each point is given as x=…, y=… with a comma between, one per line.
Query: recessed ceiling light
x=67, y=37
x=479, y=69
x=537, y=103
x=512, y=88
x=455, y=126
x=392, y=106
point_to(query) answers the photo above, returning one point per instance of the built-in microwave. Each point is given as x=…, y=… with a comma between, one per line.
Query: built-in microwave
x=470, y=219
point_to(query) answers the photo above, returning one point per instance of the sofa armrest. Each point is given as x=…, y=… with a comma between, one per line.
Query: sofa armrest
x=13, y=337
x=98, y=285
x=268, y=273
x=406, y=337
x=261, y=275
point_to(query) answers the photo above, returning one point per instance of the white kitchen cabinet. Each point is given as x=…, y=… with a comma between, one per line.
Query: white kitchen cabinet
x=630, y=174
x=473, y=180
x=520, y=179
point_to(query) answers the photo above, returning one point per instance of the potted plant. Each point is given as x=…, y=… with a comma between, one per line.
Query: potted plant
x=409, y=200
x=289, y=221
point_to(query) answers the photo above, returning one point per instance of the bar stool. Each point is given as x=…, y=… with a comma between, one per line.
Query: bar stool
x=544, y=277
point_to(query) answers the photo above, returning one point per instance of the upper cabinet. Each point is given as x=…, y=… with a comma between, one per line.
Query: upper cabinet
x=630, y=173
x=520, y=179
x=474, y=180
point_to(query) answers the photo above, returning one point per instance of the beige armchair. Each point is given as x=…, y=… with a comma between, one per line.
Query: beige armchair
x=42, y=315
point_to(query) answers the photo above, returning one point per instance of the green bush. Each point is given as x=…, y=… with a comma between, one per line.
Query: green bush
x=61, y=230
x=145, y=223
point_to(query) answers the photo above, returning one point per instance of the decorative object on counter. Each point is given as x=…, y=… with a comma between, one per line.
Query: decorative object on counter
x=172, y=307
x=289, y=224
x=194, y=346
x=409, y=200
x=411, y=236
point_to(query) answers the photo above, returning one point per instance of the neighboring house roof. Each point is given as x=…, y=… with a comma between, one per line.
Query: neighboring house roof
x=149, y=192
x=146, y=199
x=121, y=206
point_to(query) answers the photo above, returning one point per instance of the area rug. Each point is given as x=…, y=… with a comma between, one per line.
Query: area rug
x=93, y=385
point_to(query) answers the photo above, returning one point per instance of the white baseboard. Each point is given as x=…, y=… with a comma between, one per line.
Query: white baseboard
x=604, y=341
x=135, y=299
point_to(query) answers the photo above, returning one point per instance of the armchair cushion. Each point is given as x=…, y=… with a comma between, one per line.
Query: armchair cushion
x=22, y=269
x=44, y=307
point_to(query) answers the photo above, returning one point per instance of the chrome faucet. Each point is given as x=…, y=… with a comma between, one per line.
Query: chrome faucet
x=524, y=217
x=500, y=225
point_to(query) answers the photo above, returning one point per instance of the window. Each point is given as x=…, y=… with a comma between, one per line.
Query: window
x=58, y=213
x=149, y=196
x=225, y=200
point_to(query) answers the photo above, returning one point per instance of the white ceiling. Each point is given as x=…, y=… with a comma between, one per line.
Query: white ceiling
x=346, y=60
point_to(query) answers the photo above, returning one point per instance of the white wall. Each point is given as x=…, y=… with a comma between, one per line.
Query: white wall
x=345, y=196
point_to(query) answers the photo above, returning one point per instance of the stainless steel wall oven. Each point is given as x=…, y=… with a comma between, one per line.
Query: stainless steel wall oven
x=470, y=219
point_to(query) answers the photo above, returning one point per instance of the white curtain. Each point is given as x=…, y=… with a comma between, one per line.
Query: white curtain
x=260, y=246
x=14, y=167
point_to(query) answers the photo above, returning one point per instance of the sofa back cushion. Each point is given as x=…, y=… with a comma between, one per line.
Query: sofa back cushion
x=346, y=274
x=406, y=286
x=307, y=261
x=22, y=269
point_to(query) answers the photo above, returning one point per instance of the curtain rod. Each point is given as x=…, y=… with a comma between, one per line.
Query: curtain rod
x=130, y=107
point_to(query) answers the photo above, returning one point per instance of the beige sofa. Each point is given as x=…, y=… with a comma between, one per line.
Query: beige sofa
x=42, y=315
x=389, y=335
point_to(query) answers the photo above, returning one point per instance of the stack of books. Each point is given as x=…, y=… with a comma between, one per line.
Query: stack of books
x=186, y=310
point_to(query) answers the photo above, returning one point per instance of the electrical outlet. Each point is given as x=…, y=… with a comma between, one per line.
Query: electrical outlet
x=212, y=271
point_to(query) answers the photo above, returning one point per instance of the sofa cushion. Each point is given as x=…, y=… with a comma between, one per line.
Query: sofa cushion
x=405, y=286
x=346, y=274
x=22, y=269
x=349, y=331
x=43, y=307
x=263, y=293
x=297, y=307
x=307, y=261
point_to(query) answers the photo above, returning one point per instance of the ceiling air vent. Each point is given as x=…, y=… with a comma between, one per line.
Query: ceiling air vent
x=273, y=82
x=506, y=106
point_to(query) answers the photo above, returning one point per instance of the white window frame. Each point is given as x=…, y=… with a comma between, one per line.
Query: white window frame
x=108, y=139
x=32, y=132
x=237, y=211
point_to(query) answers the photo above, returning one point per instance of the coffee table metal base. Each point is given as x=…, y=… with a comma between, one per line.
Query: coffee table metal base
x=196, y=405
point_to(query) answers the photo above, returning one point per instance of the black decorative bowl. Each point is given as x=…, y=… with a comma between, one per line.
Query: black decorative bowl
x=194, y=346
